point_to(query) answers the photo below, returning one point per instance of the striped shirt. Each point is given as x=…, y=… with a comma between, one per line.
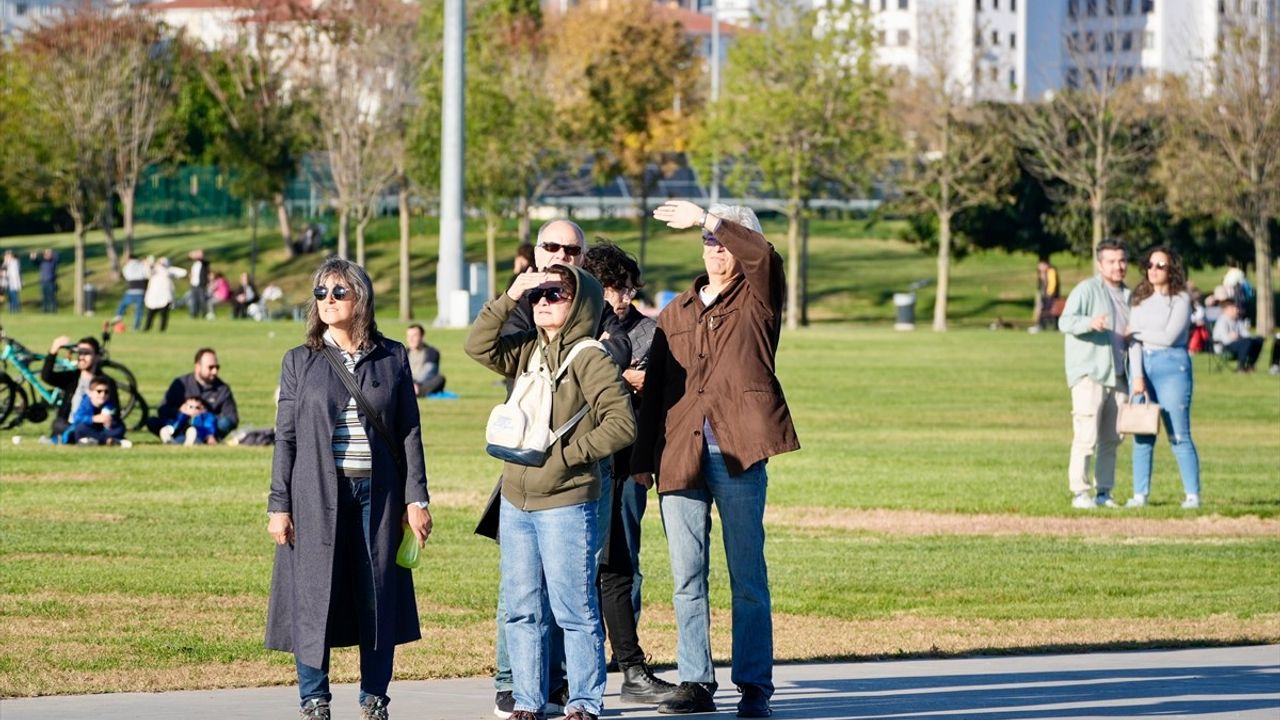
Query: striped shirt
x=351, y=453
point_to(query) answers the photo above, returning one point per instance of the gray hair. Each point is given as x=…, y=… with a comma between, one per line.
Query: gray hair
x=364, y=330
x=739, y=214
x=577, y=231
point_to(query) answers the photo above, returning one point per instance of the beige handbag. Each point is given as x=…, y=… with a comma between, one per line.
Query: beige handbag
x=1138, y=418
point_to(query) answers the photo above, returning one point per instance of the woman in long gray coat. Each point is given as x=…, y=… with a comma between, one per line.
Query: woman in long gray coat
x=342, y=495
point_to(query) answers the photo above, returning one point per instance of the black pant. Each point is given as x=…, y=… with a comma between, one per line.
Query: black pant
x=1246, y=350
x=620, y=616
x=164, y=318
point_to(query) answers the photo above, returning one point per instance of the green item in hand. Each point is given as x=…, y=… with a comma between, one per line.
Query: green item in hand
x=407, y=556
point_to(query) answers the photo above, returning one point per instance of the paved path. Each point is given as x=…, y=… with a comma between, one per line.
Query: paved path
x=1240, y=682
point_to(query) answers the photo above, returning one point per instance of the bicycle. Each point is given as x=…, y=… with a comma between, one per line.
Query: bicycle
x=29, y=398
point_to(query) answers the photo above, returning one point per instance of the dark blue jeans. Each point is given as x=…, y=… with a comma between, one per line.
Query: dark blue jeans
x=131, y=298
x=352, y=551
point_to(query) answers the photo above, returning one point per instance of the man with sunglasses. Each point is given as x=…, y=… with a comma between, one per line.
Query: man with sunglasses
x=74, y=384
x=712, y=415
x=202, y=382
x=560, y=241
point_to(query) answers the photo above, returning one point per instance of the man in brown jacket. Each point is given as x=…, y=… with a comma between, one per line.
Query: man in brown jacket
x=712, y=415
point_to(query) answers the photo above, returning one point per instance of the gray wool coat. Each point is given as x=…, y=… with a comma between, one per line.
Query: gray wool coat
x=304, y=482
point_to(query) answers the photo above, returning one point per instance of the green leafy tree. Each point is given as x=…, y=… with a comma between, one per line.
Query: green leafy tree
x=803, y=111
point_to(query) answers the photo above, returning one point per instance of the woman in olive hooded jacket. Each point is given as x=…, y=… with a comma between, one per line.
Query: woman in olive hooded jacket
x=548, y=513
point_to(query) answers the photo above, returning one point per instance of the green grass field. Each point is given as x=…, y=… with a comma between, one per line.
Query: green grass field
x=927, y=513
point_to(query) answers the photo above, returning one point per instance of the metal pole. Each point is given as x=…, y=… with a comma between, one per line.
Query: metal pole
x=449, y=269
x=715, y=92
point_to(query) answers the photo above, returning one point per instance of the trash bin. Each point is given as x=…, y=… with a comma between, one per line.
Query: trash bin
x=90, y=298
x=904, y=305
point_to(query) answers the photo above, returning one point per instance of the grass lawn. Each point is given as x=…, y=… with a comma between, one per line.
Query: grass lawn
x=926, y=514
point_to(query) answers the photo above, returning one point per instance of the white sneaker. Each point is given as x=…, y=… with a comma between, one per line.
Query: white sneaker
x=1104, y=500
x=166, y=434
x=1137, y=501
x=1191, y=503
x=1082, y=501
x=190, y=437
x=126, y=443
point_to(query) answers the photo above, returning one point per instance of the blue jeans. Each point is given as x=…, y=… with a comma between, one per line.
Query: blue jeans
x=502, y=681
x=549, y=571
x=49, y=297
x=134, y=298
x=633, y=501
x=1169, y=383
x=352, y=550
x=686, y=516
x=15, y=300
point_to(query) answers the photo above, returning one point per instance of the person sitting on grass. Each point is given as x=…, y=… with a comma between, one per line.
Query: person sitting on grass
x=194, y=425
x=74, y=383
x=95, y=421
x=1232, y=332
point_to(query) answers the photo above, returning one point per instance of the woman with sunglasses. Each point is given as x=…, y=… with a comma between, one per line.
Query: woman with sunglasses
x=1160, y=368
x=345, y=487
x=548, y=513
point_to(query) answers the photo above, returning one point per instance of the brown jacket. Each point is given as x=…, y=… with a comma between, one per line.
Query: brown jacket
x=717, y=362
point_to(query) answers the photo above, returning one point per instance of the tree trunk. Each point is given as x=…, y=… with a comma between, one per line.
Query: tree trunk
x=406, y=308
x=804, y=272
x=282, y=213
x=126, y=210
x=1099, y=222
x=491, y=223
x=793, y=264
x=361, y=224
x=522, y=211
x=253, y=242
x=108, y=222
x=944, y=272
x=343, y=217
x=77, y=283
x=1266, y=298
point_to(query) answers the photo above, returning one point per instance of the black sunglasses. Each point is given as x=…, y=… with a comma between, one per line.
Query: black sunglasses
x=339, y=292
x=569, y=250
x=1158, y=265
x=553, y=295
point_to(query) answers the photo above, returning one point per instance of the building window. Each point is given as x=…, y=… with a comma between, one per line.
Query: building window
x=1091, y=8
x=1148, y=40
x=1013, y=78
x=977, y=39
x=1128, y=7
x=977, y=5
x=1013, y=40
x=1073, y=78
x=995, y=38
x=1090, y=42
x=20, y=9
x=1222, y=7
x=1253, y=9
x=1111, y=7
x=995, y=74
x=880, y=37
x=1109, y=42
x=1126, y=41
x=904, y=37
x=995, y=4
x=902, y=4
x=1013, y=5
x=1148, y=6
x=884, y=5
x=1073, y=8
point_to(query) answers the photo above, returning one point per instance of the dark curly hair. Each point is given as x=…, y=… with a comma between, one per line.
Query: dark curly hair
x=1177, y=275
x=612, y=266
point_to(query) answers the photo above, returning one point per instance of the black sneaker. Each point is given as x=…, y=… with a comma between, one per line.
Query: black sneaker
x=374, y=708
x=687, y=699
x=556, y=701
x=504, y=703
x=641, y=687
x=314, y=709
x=580, y=714
x=754, y=702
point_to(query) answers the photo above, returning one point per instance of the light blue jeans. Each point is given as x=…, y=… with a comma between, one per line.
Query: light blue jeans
x=1169, y=383
x=549, y=575
x=686, y=516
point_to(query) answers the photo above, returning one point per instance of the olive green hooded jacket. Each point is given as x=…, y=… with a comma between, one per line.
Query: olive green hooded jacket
x=571, y=474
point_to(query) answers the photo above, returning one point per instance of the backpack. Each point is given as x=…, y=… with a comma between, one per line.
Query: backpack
x=519, y=430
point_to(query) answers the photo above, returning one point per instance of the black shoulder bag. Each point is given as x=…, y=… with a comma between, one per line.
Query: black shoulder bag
x=348, y=379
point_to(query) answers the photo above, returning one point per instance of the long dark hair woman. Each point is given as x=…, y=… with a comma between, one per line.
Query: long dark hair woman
x=1160, y=368
x=345, y=486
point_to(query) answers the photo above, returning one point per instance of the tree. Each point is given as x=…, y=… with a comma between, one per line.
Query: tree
x=625, y=81
x=250, y=77
x=1223, y=155
x=1092, y=140
x=954, y=161
x=362, y=87
x=805, y=107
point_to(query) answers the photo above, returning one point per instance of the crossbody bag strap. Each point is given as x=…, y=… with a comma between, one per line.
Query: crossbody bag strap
x=573, y=352
x=348, y=379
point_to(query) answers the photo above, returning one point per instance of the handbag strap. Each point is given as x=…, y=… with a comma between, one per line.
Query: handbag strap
x=348, y=378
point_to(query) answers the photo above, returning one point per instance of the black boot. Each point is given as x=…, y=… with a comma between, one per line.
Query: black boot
x=641, y=687
x=754, y=702
x=689, y=698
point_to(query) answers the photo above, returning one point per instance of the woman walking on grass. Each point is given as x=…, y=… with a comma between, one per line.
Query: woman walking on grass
x=344, y=488
x=1160, y=367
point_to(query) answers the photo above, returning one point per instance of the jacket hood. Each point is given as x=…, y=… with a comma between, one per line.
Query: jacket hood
x=585, y=311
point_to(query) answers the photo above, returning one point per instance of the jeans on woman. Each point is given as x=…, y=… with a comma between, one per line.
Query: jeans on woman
x=549, y=575
x=1169, y=383
x=686, y=516
x=352, y=553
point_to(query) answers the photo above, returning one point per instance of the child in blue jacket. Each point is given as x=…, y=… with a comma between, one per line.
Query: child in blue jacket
x=96, y=420
x=194, y=425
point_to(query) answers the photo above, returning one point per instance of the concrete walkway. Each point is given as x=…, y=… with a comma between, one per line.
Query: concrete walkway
x=1240, y=682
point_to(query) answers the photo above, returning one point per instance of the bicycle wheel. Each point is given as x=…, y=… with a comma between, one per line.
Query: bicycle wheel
x=126, y=386
x=13, y=402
